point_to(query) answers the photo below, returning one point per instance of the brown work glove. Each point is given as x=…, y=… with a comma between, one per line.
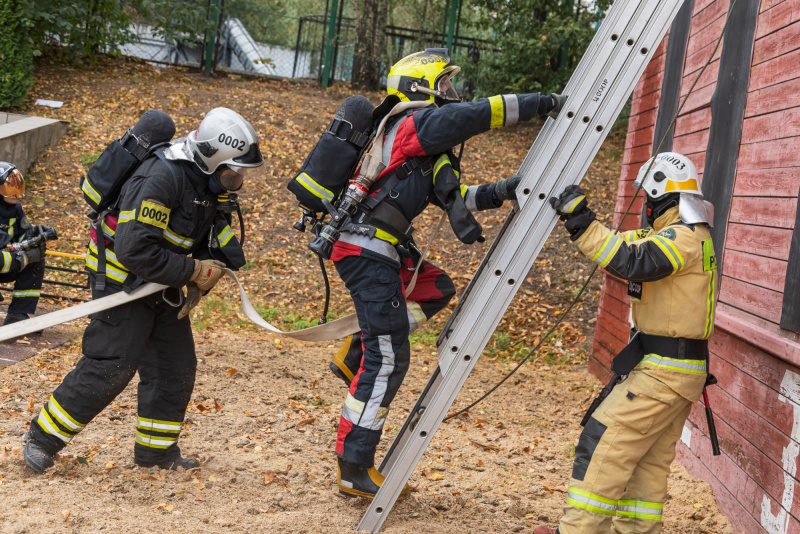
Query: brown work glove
x=193, y=295
x=207, y=273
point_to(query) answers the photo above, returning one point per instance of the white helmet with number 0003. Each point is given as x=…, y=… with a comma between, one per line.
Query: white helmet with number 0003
x=675, y=173
x=223, y=138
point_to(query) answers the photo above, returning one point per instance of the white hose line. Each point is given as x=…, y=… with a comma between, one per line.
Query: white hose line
x=334, y=330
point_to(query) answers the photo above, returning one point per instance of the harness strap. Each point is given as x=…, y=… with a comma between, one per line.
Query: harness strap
x=411, y=164
x=100, y=236
x=675, y=347
x=374, y=212
x=390, y=220
x=413, y=282
x=355, y=137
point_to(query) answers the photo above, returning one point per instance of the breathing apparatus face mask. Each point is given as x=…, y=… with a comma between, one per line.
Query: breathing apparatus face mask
x=12, y=189
x=444, y=93
x=447, y=90
x=229, y=178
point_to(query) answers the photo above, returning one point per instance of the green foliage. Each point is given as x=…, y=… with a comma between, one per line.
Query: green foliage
x=91, y=27
x=16, y=57
x=538, y=44
x=88, y=159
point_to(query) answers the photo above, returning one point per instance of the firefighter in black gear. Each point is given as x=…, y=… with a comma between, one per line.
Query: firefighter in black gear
x=25, y=268
x=166, y=228
x=376, y=267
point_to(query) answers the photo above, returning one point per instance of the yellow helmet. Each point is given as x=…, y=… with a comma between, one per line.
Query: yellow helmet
x=424, y=76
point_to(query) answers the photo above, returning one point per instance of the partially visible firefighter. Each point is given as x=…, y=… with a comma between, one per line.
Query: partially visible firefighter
x=22, y=247
x=624, y=453
x=167, y=224
x=375, y=254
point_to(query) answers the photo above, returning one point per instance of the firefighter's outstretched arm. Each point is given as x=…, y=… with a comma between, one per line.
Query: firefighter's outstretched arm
x=630, y=255
x=435, y=130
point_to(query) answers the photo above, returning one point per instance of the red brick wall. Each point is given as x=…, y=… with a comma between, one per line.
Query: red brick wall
x=757, y=402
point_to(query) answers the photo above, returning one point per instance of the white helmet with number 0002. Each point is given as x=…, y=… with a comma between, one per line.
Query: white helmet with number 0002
x=223, y=138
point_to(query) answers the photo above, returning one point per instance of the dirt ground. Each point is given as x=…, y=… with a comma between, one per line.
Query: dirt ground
x=264, y=410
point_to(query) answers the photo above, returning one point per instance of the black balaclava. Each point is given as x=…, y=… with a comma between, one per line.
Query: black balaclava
x=655, y=207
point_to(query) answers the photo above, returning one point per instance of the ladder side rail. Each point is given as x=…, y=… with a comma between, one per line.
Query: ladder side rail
x=441, y=397
x=602, y=44
x=547, y=142
x=596, y=131
x=595, y=88
x=404, y=433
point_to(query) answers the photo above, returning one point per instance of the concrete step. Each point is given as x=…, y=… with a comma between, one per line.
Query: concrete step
x=23, y=138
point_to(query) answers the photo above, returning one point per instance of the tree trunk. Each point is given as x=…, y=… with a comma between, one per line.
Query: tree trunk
x=370, y=47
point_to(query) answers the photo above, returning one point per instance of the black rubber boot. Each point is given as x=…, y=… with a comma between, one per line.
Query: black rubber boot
x=347, y=360
x=35, y=456
x=12, y=318
x=359, y=481
x=171, y=463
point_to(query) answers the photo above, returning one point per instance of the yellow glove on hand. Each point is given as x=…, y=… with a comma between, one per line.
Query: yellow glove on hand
x=207, y=273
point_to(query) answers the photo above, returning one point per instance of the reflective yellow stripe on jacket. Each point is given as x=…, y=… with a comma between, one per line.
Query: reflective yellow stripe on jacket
x=5, y=266
x=686, y=366
x=177, y=239
x=505, y=110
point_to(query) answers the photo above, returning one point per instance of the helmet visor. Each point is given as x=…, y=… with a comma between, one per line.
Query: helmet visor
x=14, y=186
x=251, y=158
x=230, y=177
x=446, y=89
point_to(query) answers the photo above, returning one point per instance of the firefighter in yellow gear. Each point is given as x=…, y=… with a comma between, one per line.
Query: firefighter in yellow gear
x=624, y=453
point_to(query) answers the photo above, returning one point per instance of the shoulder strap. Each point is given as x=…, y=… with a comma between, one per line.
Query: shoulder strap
x=373, y=165
x=180, y=184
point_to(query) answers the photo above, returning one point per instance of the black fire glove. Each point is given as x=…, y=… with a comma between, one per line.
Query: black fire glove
x=558, y=103
x=34, y=255
x=506, y=189
x=572, y=207
x=193, y=296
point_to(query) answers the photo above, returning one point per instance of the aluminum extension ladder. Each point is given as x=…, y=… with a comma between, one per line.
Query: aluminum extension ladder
x=561, y=154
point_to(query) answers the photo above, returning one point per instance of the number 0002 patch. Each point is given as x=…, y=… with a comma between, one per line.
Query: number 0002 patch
x=153, y=214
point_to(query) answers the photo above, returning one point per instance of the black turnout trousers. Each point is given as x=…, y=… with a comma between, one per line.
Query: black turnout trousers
x=145, y=336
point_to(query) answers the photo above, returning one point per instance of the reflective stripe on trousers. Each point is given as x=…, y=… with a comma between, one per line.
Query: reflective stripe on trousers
x=600, y=505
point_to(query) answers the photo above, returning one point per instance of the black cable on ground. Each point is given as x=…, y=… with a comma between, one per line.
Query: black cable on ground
x=621, y=222
x=324, y=318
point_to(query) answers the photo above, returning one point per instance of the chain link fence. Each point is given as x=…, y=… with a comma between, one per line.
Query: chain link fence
x=237, y=49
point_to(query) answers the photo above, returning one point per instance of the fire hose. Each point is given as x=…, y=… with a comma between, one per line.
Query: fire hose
x=326, y=332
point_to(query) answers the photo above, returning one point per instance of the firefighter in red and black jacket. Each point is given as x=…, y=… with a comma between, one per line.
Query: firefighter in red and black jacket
x=377, y=265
